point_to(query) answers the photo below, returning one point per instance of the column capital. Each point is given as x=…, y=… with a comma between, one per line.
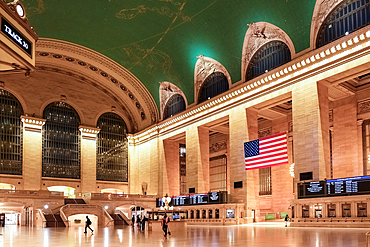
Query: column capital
x=32, y=124
x=89, y=133
x=359, y=122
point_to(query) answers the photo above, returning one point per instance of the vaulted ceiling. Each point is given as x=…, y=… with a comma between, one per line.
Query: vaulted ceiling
x=159, y=40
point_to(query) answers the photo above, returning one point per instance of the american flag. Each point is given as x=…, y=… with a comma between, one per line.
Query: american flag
x=265, y=152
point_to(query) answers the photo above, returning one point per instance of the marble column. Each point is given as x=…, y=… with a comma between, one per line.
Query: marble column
x=310, y=113
x=172, y=164
x=197, y=159
x=32, y=152
x=88, y=158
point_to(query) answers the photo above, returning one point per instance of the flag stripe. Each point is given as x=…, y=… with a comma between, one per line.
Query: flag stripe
x=266, y=152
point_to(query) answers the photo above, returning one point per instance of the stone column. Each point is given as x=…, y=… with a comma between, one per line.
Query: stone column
x=345, y=141
x=172, y=164
x=310, y=115
x=197, y=159
x=338, y=210
x=88, y=159
x=32, y=152
x=360, y=147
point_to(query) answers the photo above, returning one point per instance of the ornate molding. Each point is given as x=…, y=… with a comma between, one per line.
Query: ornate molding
x=101, y=61
x=32, y=124
x=290, y=126
x=89, y=133
x=166, y=91
x=75, y=74
x=322, y=9
x=204, y=67
x=363, y=106
x=264, y=132
x=218, y=146
x=330, y=115
x=259, y=34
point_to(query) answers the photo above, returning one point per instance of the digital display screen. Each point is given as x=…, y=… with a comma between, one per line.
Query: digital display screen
x=335, y=187
x=12, y=33
x=195, y=199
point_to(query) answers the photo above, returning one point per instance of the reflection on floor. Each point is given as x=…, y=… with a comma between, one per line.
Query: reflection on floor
x=270, y=235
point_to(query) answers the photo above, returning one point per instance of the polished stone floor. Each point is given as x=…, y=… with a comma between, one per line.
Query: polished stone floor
x=270, y=235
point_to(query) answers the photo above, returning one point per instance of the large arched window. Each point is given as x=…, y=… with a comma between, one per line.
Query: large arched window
x=215, y=84
x=175, y=104
x=112, y=153
x=11, y=134
x=268, y=57
x=346, y=18
x=61, y=142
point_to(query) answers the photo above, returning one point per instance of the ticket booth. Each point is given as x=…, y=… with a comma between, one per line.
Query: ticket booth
x=305, y=211
x=318, y=211
x=331, y=210
x=346, y=210
x=361, y=209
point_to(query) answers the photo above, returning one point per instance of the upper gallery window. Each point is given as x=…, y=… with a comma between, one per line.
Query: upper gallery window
x=11, y=134
x=215, y=84
x=175, y=104
x=346, y=18
x=270, y=56
x=61, y=142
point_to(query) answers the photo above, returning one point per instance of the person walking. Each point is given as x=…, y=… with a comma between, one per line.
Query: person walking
x=164, y=224
x=286, y=220
x=133, y=220
x=143, y=220
x=138, y=221
x=87, y=225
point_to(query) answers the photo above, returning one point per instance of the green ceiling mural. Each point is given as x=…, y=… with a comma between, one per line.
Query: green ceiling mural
x=158, y=40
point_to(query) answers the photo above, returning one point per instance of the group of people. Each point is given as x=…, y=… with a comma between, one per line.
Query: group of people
x=140, y=221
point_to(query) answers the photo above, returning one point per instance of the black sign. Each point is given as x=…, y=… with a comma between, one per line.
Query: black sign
x=195, y=199
x=16, y=36
x=335, y=187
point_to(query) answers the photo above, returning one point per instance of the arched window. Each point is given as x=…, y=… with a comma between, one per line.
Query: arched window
x=268, y=57
x=214, y=85
x=112, y=153
x=11, y=134
x=346, y=18
x=175, y=104
x=61, y=142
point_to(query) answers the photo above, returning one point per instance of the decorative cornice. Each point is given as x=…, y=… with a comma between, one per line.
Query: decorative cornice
x=32, y=124
x=264, y=132
x=218, y=146
x=88, y=133
x=44, y=44
x=363, y=106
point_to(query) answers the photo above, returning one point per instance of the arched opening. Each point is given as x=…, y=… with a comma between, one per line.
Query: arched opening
x=61, y=142
x=214, y=84
x=345, y=18
x=112, y=191
x=112, y=149
x=68, y=191
x=270, y=56
x=11, y=134
x=78, y=220
x=175, y=105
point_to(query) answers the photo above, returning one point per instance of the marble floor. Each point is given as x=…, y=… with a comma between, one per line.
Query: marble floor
x=256, y=235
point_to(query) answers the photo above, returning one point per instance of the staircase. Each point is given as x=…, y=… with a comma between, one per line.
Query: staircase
x=73, y=201
x=118, y=220
x=123, y=216
x=54, y=220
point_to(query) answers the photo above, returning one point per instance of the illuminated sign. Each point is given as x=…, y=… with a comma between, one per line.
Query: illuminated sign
x=335, y=187
x=196, y=199
x=16, y=36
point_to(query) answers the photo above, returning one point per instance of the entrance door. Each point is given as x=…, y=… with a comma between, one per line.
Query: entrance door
x=253, y=215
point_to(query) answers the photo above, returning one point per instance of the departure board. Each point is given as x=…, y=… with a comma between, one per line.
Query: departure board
x=335, y=187
x=195, y=199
